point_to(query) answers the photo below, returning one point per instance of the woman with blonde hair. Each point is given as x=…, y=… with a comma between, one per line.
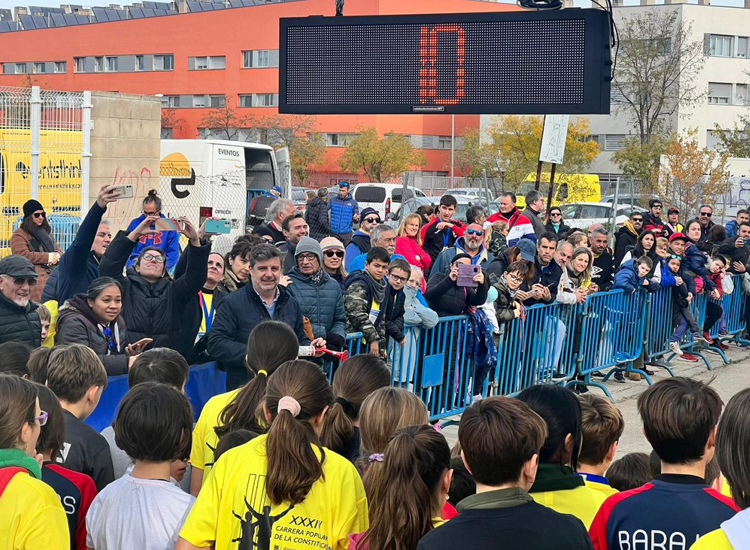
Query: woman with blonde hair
x=334, y=255
x=409, y=242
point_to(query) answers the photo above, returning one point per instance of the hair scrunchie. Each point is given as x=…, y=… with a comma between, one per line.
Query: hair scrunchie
x=263, y=372
x=288, y=403
x=376, y=457
x=348, y=407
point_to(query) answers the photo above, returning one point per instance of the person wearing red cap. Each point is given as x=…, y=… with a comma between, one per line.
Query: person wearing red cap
x=677, y=242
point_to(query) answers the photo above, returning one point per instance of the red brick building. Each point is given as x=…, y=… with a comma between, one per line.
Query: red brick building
x=196, y=60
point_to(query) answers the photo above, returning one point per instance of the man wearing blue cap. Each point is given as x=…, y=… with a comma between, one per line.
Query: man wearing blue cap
x=274, y=192
x=344, y=211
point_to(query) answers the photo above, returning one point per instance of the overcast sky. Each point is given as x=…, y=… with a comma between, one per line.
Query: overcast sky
x=56, y=3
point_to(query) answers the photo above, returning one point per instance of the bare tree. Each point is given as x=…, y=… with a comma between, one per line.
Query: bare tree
x=170, y=122
x=656, y=69
x=225, y=122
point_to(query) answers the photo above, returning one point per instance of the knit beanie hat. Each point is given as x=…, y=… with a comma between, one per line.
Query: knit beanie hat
x=306, y=244
x=331, y=243
x=31, y=206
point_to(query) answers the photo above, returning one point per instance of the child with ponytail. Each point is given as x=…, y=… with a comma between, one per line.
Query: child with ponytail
x=357, y=378
x=270, y=344
x=282, y=486
x=416, y=465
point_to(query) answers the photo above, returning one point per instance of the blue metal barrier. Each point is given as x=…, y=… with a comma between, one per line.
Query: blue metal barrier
x=611, y=336
x=204, y=382
x=535, y=346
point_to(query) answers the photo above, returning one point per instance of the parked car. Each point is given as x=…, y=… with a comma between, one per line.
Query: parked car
x=640, y=200
x=585, y=214
x=383, y=197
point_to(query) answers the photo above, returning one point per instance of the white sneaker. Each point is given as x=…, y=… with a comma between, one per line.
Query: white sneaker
x=675, y=347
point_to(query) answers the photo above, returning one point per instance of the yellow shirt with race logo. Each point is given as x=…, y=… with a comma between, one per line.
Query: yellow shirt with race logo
x=233, y=510
x=204, y=434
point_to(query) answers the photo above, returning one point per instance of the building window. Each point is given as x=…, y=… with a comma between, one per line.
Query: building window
x=111, y=64
x=258, y=59
x=21, y=68
x=444, y=142
x=79, y=64
x=742, y=46
x=246, y=100
x=721, y=46
x=199, y=101
x=616, y=95
x=339, y=140
x=740, y=95
x=139, y=63
x=99, y=64
x=170, y=101
x=266, y=100
x=206, y=62
x=40, y=68
x=163, y=62
x=614, y=142
x=61, y=66
x=217, y=101
x=719, y=93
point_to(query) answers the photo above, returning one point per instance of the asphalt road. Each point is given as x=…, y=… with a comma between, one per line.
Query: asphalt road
x=727, y=380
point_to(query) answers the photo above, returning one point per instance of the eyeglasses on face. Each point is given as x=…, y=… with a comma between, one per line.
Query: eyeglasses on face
x=20, y=281
x=39, y=214
x=477, y=232
x=372, y=220
x=657, y=206
x=675, y=257
x=158, y=258
x=706, y=214
x=397, y=278
x=515, y=278
x=555, y=214
x=637, y=220
x=332, y=253
x=306, y=257
x=154, y=213
x=42, y=418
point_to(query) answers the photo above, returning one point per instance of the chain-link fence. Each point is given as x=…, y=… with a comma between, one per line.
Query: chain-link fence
x=44, y=144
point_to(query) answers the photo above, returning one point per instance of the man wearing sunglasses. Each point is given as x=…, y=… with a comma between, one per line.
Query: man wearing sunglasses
x=705, y=213
x=472, y=243
x=154, y=305
x=19, y=319
x=627, y=236
x=360, y=242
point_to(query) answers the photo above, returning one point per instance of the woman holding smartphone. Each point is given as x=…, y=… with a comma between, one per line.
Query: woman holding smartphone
x=94, y=319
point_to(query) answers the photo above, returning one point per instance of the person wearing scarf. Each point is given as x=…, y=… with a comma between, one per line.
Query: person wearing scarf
x=32, y=515
x=33, y=240
x=94, y=319
x=367, y=304
x=319, y=296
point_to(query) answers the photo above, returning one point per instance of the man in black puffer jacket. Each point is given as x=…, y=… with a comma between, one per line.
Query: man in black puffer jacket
x=447, y=298
x=243, y=310
x=155, y=306
x=19, y=318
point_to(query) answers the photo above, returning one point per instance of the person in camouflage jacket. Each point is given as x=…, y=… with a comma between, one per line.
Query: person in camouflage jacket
x=368, y=301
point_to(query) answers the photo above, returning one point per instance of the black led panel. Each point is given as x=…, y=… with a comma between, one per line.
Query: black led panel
x=555, y=62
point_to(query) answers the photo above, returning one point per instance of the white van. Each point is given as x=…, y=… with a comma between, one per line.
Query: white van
x=203, y=178
x=383, y=197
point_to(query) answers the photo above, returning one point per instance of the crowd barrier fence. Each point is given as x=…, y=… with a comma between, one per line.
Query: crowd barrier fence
x=611, y=331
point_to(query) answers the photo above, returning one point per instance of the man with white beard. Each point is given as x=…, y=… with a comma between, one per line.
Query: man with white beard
x=19, y=318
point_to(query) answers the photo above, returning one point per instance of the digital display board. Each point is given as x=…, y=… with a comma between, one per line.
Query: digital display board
x=548, y=62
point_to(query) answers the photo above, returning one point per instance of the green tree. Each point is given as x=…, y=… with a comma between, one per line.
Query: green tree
x=224, y=122
x=639, y=160
x=735, y=142
x=510, y=148
x=381, y=159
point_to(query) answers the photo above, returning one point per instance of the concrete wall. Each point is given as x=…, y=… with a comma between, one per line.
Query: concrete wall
x=124, y=149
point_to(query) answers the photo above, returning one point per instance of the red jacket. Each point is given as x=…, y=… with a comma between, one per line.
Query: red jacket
x=519, y=227
x=414, y=254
